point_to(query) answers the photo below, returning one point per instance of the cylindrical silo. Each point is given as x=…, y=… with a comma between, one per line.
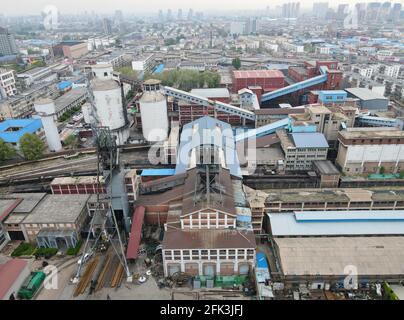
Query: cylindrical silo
x=102, y=71
x=108, y=104
x=45, y=110
x=86, y=109
x=153, y=111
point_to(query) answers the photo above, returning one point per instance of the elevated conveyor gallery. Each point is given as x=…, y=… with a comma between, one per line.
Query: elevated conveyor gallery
x=297, y=86
x=219, y=106
x=263, y=131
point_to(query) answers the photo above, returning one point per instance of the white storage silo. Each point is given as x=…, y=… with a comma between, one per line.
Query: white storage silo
x=45, y=110
x=153, y=111
x=108, y=104
x=102, y=71
x=86, y=109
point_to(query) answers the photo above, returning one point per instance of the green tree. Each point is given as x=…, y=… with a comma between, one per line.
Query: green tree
x=71, y=141
x=187, y=79
x=169, y=42
x=382, y=170
x=236, y=63
x=128, y=71
x=6, y=151
x=32, y=146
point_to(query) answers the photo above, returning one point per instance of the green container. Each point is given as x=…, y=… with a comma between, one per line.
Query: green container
x=223, y=281
x=31, y=285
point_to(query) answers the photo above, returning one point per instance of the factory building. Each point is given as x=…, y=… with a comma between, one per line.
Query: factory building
x=323, y=247
x=302, y=148
x=200, y=237
x=78, y=185
x=368, y=99
x=267, y=80
x=368, y=150
x=46, y=220
x=56, y=221
x=325, y=262
x=333, y=199
x=74, y=49
x=207, y=221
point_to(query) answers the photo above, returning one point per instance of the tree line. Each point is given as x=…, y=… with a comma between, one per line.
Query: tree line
x=187, y=79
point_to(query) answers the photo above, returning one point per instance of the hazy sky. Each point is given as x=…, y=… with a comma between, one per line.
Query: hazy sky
x=22, y=7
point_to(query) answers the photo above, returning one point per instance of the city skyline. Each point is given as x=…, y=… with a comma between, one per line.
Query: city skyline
x=26, y=7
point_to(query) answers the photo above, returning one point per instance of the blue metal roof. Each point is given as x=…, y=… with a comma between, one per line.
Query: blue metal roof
x=356, y=215
x=157, y=172
x=338, y=223
x=23, y=125
x=262, y=260
x=332, y=92
x=159, y=68
x=309, y=140
x=64, y=84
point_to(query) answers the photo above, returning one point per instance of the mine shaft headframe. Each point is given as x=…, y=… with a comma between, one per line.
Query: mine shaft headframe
x=106, y=146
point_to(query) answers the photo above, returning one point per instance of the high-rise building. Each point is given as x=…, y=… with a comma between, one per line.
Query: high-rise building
x=179, y=15
x=395, y=12
x=190, y=14
x=290, y=10
x=320, y=9
x=107, y=26
x=118, y=16
x=360, y=9
x=384, y=11
x=372, y=11
x=342, y=11
x=161, y=16
x=7, y=43
x=169, y=15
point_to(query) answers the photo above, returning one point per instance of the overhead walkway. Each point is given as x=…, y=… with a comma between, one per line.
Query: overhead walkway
x=297, y=86
x=219, y=106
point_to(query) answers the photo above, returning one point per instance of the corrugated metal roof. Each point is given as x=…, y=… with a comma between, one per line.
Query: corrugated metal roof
x=373, y=256
x=357, y=215
x=24, y=125
x=309, y=140
x=212, y=92
x=135, y=233
x=365, y=94
x=9, y=273
x=207, y=131
x=258, y=74
x=349, y=223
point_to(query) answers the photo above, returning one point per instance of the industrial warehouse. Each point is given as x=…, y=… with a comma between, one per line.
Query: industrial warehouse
x=204, y=158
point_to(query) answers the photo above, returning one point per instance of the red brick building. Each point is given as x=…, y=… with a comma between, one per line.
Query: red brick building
x=77, y=185
x=268, y=80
